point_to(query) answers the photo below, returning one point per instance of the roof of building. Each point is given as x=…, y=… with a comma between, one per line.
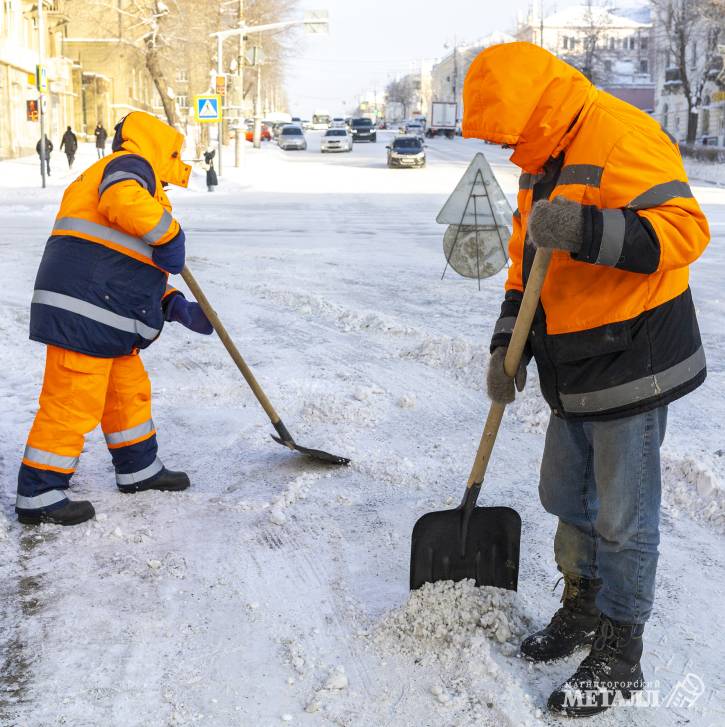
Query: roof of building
x=583, y=16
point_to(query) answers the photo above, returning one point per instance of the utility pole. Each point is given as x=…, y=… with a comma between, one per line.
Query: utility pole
x=220, y=72
x=240, y=91
x=258, y=100
x=541, y=24
x=40, y=80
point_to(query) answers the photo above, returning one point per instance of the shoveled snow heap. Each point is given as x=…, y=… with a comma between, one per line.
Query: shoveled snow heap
x=442, y=619
x=468, y=635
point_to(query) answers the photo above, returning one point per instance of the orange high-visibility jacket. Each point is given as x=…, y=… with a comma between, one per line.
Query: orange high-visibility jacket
x=616, y=332
x=98, y=290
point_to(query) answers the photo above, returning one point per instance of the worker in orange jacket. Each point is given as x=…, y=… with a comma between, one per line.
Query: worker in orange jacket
x=615, y=340
x=101, y=295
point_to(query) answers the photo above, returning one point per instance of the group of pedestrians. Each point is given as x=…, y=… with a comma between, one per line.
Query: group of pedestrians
x=69, y=145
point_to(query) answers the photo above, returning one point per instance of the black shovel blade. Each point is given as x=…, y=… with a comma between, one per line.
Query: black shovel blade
x=486, y=548
x=317, y=454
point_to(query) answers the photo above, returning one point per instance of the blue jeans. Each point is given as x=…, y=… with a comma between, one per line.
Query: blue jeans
x=602, y=480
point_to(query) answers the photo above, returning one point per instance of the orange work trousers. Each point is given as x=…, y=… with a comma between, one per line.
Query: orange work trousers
x=79, y=392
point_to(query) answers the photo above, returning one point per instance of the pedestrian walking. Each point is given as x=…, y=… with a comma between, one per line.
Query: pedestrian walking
x=615, y=341
x=47, y=149
x=69, y=144
x=101, y=296
x=101, y=135
x=211, y=177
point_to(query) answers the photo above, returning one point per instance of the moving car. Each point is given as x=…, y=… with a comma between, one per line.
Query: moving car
x=291, y=137
x=337, y=123
x=336, y=140
x=363, y=130
x=414, y=128
x=406, y=151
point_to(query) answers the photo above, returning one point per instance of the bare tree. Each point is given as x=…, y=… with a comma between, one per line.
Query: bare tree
x=595, y=24
x=402, y=91
x=691, y=30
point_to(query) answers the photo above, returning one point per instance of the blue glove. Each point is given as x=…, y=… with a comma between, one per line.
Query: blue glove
x=171, y=255
x=180, y=310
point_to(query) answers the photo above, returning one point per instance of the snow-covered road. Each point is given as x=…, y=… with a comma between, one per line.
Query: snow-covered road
x=275, y=590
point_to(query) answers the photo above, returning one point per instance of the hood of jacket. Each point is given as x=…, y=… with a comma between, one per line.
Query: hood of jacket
x=521, y=95
x=157, y=142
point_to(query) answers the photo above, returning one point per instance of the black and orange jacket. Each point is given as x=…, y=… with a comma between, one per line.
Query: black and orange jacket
x=616, y=331
x=98, y=290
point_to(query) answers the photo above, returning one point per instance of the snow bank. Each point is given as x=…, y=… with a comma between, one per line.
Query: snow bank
x=711, y=172
x=694, y=488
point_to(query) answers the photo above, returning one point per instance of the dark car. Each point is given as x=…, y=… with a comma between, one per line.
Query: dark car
x=406, y=151
x=363, y=130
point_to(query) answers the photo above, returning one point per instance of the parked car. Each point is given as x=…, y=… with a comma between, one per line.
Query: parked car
x=265, y=136
x=336, y=140
x=406, y=151
x=363, y=130
x=291, y=137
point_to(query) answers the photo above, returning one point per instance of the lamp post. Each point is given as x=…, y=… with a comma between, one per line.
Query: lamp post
x=40, y=80
x=314, y=21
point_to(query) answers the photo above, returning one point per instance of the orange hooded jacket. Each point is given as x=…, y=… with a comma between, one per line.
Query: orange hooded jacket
x=98, y=289
x=643, y=228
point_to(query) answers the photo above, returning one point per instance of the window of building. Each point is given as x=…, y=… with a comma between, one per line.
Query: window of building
x=182, y=102
x=182, y=75
x=643, y=66
x=565, y=43
x=643, y=44
x=607, y=66
x=612, y=43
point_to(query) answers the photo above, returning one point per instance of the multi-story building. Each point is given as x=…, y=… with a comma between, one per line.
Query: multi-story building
x=705, y=68
x=448, y=74
x=612, y=46
x=106, y=45
x=19, y=55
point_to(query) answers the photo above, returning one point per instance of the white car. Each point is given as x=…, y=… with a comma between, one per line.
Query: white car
x=291, y=137
x=338, y=123
x=336, y=140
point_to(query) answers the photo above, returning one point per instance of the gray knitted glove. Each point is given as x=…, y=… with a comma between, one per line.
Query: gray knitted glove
x=558, y=224
x=499, y=386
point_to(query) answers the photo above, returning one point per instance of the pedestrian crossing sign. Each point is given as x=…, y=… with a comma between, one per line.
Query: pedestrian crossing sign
x=208, y=108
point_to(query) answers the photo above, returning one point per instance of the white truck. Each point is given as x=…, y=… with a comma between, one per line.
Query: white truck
x=442, y=119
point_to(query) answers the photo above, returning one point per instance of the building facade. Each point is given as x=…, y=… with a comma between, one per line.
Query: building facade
x=614, y=47
x=19, y=55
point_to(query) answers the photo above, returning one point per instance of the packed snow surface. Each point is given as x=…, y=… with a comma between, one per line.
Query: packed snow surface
x=275, y=590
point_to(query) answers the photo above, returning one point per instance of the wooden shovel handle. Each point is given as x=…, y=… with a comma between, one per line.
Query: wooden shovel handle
x=210, y=313
x=520, y=335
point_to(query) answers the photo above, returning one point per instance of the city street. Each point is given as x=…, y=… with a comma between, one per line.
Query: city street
x=276, y=589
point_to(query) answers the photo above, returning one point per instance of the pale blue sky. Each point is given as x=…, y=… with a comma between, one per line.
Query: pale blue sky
x=370, y=41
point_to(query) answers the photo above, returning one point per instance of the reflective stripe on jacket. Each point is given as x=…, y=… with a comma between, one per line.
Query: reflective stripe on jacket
x=616, y=330
x=98, y=290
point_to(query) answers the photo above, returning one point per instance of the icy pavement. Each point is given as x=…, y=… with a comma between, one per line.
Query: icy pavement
x=275, y=590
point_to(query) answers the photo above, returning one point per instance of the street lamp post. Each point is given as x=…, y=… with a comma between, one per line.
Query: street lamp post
x=315, y=21
x=41, y=97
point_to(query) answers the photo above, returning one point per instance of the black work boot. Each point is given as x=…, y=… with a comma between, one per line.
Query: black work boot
x=572, y=626
x=611, y=671
x=71, y=512
x=165, y=480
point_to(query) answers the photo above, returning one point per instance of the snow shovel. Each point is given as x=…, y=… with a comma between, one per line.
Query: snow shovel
x=481, y=543
x=284, y=438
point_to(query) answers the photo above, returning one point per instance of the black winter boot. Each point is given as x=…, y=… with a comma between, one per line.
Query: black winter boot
x=71, y=512
x=611, y=671
x=165, y=480
x=572, y=626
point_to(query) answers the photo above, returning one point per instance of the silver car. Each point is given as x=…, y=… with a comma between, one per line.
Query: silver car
x=291, y=137
x=336, y=140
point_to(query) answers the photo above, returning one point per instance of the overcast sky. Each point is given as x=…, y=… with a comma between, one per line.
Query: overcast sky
x=371, y=41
